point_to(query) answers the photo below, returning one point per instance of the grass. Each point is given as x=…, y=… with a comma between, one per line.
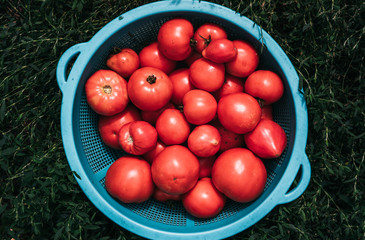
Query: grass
x=39, y=197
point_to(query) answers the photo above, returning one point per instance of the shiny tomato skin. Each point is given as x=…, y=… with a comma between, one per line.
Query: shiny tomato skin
x=267, y=140
x=175, y=170
x=220, y=51
x=149, y=88
x=180, y=79
x=106, y=92
x=161, y=196
x=137, y=138
x=207, y=75
x=174, y=39
x=109, y=126
x=200, y=107
x=246, y=60
x=265, y=85
x=172, y=127
x=150, y=56
x=230, y=85
x=151, y=155
x=124, y=63
x=204, y=200
x=239, y=174
x=151, y=116
x=204, y=141
x=205, y=166
x=129, y=179
x=206, y=33
x=239, y=112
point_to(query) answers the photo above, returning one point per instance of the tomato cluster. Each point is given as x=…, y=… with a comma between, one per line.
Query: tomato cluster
x=193, y=113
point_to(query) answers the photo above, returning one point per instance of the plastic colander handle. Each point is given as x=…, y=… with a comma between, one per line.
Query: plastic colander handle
x=302, y=184
x=64, y=61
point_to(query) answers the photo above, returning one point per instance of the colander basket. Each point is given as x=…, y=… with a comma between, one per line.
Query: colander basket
x=89, y=158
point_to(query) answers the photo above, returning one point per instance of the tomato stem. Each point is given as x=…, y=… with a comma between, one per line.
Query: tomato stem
x=151, y=79
x=107, y=89
x=206, y=40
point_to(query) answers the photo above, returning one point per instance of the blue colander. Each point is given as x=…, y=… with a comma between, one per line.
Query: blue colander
x=89, y=158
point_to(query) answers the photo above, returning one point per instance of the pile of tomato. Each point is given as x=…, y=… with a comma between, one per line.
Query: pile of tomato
x=193, y=113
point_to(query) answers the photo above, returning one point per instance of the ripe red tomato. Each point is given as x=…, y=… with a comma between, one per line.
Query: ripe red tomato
x=175, y=170
x=230, y=85
x=267, y=140
x=129, y=180
x=205, y=166
x=200, y=107
x=151, y=116
x=229, y=139
x=174, y=39
x=172, y=127
x=204, y=200
x=265, y=85
x=206, y=33
x=161, y=196
x=204, y=141
x=194, y=55
x=266, y=112
x=106, y=92
x=124, y=63
x=180, y=79
x=109, y=126
x=149, y=88
x=137, y=138
x=239, y=174
x=151, y=155
x=239, y=112
x=220, y=51
x=246, y=60
x=207, y=75
x=150, y=56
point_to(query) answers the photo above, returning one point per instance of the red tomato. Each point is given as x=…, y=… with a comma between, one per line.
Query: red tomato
x=207, y=75
x=180, y=79
x=239, y=112
x=204, y=141
x=231, y=84
x=205, y=166
x=200, y=107
x=109, y=126
x=194, y=55
x=151, y=155
x=204, y=200
x=172, y=127
x=137, y=138
x=220, y=51
x=229, y=139
x=267, y=140
x=129, y=179
x=149, y=88
x=265, y=85
x=206, y=33
x=175, y=170
x=174, y=39
x=151, y=116
x=266, y=112
x=246, y=60
x=161, y=196
x=150, y=56
x=124, y=63
x=106, y=92
x=239, y=174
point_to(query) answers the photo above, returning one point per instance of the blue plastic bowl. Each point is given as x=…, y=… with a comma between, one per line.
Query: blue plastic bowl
x=89, y=158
